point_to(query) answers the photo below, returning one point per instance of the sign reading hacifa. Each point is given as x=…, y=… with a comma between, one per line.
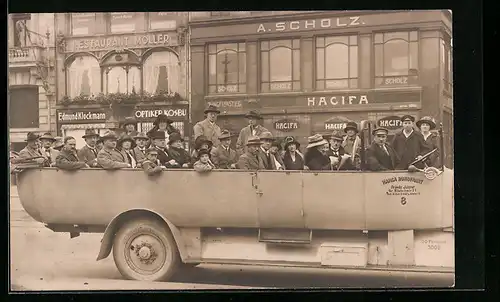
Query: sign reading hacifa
x=81, y=116
x=286, y=125
x=337, y=100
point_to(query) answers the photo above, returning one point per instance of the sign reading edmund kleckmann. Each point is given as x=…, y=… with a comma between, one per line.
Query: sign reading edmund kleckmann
x=81, y=116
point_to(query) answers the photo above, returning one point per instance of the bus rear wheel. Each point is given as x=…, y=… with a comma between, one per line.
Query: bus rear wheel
x=144, y=249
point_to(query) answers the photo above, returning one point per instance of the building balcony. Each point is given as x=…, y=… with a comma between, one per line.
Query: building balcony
x=26, y=56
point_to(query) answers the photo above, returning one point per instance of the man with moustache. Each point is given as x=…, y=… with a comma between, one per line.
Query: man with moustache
x=88, y=153
x=380, y=155
x=31, y=153
x=139, y=152
x=253, y=129
x=50, y=153
x=109, y=158
x=68, y=158
x=208, y=127
x=251, y=160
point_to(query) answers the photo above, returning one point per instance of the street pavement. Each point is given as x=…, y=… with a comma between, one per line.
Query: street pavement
x=44, y=260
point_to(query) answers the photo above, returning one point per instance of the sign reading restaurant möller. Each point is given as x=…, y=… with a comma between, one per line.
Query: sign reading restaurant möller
x=81, y=116
x=122, y=41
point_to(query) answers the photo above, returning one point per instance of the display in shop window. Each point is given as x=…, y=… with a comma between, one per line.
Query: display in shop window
x=122, y=98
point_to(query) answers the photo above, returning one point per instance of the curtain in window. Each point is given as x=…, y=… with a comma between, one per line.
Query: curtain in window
x=117, y=80
x=161, y=72
x=84, y=77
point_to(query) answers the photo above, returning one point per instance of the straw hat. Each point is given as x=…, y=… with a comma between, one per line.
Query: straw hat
x=427, y=120
x=316, y=140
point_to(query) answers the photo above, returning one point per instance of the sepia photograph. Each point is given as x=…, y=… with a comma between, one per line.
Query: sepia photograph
x=242, y=150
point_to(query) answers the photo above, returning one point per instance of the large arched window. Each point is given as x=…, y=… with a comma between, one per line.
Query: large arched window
x=336, y=62
x=396, y=58
x=227, y=68
x=280, y=65
x=84, y=76
x=121, y=73
x=161, y=72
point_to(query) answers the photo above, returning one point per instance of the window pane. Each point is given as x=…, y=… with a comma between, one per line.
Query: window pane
x=340, y=39
x=414, y=55
x=277, y=43
x=379, y=60
x=396, y=35
x=320, y=63
x=162, y=20
x=337, y=84
x=337, y=61
x=229, y=46
x=82, y=23
x=161, y=72
x=320, y=42
x=134, y=80
x=227, y=67
x=280, y=64
x=296, y=65
x=265, y=66
x=242, y=60
x=84, y=76
x=117, y=80
x=396, y=58
x=122, y=22
x=212, y=69
x=353, y=62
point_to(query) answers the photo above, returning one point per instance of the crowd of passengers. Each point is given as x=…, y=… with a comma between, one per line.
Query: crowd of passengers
x=256, y=149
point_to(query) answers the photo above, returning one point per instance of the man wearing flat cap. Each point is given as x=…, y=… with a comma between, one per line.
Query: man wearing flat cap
x=32, y=153
x=250, y=160
x=253, y=129
x=88, y=153
x=208, y=127
x=408, y=144
x=223, y=156
x=109, y=158
x=380, y=155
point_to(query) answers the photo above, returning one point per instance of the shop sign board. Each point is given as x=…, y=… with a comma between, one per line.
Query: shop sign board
x=81, y=116
x=286, y=125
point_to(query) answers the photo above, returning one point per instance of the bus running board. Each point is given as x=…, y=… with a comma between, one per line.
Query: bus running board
x=289, y=236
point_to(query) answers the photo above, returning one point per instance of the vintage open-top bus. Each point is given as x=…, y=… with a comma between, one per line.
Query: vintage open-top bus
x=392, y=220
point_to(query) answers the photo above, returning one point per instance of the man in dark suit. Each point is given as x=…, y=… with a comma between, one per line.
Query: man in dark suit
x=88, y=153
x=223, y=156
x=380, y=155
x=250, y=160
x=408, y=144
x=269, y=160
x=67, y=159
x=158, y=142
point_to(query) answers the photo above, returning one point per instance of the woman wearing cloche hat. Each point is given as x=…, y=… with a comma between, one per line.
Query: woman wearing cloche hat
x=292, y=159
x=426, y=124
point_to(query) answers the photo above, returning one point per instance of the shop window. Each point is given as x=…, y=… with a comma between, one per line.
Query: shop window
x=396, y=58
x=84, y=77
x=20, y=29
x=23, y=107
x=83, y=23
x=161, y=72
x=163, y=20
x=122, y=79
x=336, y=62
x=227, y=68
x=446, y=65
x=280, y=65
x=122, y=22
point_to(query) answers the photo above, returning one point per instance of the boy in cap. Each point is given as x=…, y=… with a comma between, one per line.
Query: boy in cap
x=208, y=127
x=380, y=155
x=203, y=164
x=251, y=160
x=109, y=158
x=88, y=153
x=224, y=157
x=408, y=144
x=151, y=164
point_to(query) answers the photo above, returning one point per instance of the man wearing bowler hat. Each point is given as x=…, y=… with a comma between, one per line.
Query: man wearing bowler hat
x=253, y=129
x=251, y=160
x=50, y=153
x=408, y=144
x=88, y=153
x=31, y=153
x=158, y=142
x=208, y=127
x=380, y=155
x=139, y=152
x=109, y=158
x=224, y=157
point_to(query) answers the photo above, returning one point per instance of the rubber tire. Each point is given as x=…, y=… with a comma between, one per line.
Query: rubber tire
x=155, y=227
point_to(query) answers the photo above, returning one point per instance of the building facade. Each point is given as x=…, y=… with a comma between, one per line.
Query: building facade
x=117, y=65
x=31, y=76
x=311, y=72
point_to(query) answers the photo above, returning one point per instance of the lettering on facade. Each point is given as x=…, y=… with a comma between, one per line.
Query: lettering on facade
x=396, y=81
x=153, y=113
x=337, y=100
x=310, y=24
x=123, y=42
x=390, y=122
x=81, y=116
x=286, y=125
x=335, y=126
x=226, y=104
x=399, y=187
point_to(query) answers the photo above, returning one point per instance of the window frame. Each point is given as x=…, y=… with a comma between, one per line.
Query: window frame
x=108, y=17
x=412, y=79
x=260, y=62
x=325, y=79
x=67, y=66
x=35, y=90
x=216, y=84
x=92, y=31
x=148, y=22
x=145, y=59
x=447, y=78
